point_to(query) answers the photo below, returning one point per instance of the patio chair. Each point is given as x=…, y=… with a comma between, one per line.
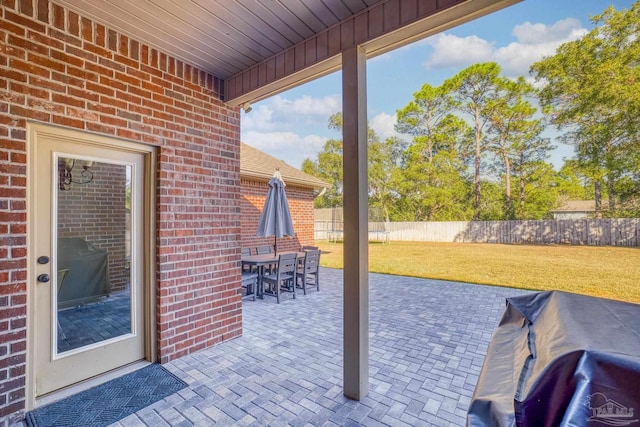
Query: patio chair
x=309, y=271
x=250, y=283
x=283, y=279
x=246, y=252
x=309, y=248
x=264, y=250
x=261, y=250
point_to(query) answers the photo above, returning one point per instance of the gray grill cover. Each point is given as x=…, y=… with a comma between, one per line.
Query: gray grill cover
x=561, y=359
x=88, y=277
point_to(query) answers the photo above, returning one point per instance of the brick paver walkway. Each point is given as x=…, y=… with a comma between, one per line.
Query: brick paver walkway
x=428, y=341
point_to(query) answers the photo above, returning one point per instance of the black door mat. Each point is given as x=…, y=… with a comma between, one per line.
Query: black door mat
x=109, y=402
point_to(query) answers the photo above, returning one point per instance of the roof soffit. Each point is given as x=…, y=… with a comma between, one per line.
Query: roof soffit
x=262, y=47
x=384, y=26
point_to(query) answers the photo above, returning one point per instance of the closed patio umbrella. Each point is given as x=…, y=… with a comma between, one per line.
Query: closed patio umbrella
x=276, y=217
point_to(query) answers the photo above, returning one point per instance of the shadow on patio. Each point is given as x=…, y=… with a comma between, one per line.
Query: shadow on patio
x=428, y=339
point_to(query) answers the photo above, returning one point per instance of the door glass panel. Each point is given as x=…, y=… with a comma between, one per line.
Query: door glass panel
x=93, y=252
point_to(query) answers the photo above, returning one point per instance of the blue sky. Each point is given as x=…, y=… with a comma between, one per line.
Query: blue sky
x=292, y=126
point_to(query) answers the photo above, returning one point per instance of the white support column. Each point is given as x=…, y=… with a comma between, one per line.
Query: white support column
x=356, y=255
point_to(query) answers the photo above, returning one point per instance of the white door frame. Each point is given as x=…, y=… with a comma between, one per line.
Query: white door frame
x=34, y=130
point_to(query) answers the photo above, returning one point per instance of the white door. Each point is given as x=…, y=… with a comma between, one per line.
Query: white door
x=87, y=203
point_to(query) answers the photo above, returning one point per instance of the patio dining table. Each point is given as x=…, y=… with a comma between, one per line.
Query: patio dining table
x=263, y=260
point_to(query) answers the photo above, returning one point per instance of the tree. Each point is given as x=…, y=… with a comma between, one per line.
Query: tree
x=592, y=91
x=328, y=168
x=432, y=184
x=432, y=189
x=571, y=183
x=382, y=163
x=474, y=89
x=539, y=186
x=628, y=187
x=382, y=158
x=528, y=159
x=492, y=207
x=514, y=136
x=426, y=118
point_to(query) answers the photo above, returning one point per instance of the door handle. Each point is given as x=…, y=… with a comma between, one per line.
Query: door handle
x=43, y=278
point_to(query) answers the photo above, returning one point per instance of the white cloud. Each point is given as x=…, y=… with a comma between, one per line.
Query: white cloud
x=287, y=146
x=260, y=118
x=307, y=105
x=453, y=51
x=283, y=113
x=383, y=125
x=516, y=59
x=277, y=125
x=533, y=42
x=529, y=33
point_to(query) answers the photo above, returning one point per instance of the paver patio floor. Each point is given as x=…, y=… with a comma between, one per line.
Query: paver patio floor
x=428, y=339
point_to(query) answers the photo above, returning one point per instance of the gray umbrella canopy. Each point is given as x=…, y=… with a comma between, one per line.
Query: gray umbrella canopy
x=276, y=217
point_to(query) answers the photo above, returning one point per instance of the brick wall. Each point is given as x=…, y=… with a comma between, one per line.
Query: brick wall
x=60, y=68
x=301, y=207
x=97, y=212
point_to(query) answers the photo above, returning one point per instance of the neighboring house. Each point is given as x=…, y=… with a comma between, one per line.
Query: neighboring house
x=577, y=209
x=256, y=168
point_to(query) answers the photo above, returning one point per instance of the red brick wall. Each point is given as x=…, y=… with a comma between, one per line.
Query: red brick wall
x=97, y=212
x=57, y=67
x=301, y=207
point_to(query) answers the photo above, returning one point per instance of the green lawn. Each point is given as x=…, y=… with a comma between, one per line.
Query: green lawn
x=604, y=271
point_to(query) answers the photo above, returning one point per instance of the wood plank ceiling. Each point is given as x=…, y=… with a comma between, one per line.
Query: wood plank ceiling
x=231, y=39
x=223, y=37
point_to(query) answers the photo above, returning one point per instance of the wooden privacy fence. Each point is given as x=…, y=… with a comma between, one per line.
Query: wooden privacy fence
x=596, y=232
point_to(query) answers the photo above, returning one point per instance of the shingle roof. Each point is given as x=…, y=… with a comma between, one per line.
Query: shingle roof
x=580, y=206
x=256, y=164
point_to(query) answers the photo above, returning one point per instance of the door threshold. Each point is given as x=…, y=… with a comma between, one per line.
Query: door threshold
x=63, y=393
